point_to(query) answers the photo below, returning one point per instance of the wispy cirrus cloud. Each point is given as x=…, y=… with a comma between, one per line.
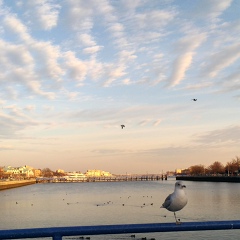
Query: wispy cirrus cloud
x=186, y=48
x=219, y=136
x=222, y=59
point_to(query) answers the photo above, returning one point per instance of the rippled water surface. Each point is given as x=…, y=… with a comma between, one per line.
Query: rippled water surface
x=78, y=204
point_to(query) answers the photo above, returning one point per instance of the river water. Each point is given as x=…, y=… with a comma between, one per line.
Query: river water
x=100, y=203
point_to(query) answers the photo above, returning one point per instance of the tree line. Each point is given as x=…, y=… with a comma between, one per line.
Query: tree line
x=231, y=168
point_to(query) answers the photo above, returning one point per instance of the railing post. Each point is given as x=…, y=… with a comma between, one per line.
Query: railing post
x=57, y=237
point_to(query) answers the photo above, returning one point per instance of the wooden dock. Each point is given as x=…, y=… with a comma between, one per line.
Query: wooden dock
x=117, y=178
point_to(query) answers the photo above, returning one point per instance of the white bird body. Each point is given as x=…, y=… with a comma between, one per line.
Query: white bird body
x=176, y=200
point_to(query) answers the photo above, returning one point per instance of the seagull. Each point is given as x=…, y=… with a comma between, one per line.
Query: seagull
x=194, y=99
x=122, y=126
x=176, y=200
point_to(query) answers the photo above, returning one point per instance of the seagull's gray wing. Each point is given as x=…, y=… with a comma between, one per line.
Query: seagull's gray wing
x=167, y=202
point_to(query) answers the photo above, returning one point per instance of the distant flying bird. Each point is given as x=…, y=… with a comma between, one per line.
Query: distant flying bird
x=176, y=200
x=194, y=99
x=122, y=126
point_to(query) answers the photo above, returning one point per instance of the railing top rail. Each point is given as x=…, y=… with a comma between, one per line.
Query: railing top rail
x=59, y=232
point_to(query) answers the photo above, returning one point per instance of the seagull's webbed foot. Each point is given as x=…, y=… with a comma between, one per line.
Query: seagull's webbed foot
x=178, y=222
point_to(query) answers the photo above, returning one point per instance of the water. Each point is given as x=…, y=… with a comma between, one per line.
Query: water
x=78, y=204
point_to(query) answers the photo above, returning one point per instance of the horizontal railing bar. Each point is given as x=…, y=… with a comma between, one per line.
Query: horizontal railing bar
x=58, y=232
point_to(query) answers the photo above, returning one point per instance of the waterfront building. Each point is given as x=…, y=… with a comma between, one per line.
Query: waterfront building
x=25, y=171
x=178, y=171
x=60, y=171
x=97, y=173
x=182, y=171
x=74, y=176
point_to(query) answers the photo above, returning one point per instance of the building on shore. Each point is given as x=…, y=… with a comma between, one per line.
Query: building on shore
x=97, y=173
x=74, y=176
x=20, y=172
x=60, y=171
x=182, y=171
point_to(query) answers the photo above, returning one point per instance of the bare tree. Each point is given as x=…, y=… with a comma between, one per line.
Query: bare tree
x=197, y=170
x=216, y=168
x=47, y=172
x=233, y=167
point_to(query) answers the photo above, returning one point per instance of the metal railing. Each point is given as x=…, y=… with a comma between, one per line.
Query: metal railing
x=58, y=232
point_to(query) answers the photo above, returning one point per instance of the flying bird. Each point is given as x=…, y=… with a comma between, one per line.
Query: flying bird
x=122, y=126
x=194, y=99
x=176, y=200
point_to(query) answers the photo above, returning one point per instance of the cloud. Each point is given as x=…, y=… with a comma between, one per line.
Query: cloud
x=76, y=68
x=86, y=39
x=79, y=15
x=95, y=68
x=6, y=147
x=117, y=29
x=225, y=135
x=197, y=86
x=19, y=59
x=220, y=60
x=47, y=59
x=210, y=9
x=45, y=13
x=125, y=56
x=157, y=122
x=126, y=81
x=31, y=61
x=186, y=48
x=14, y=25
x=154, y=18
x=13, y=121
x=230, y=83
x=29, y=108
x=92, y=50
x=180, y=66
x=130, y=6
x=113, y=72
x=35, y=87
x=14, y=56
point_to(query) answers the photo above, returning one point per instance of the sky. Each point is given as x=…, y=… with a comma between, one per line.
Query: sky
x=73, y=71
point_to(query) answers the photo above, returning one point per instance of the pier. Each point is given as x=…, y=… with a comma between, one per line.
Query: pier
x=232, y=179
x=116, y=178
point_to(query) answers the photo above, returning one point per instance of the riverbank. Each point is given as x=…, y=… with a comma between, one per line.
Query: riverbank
x=13, y=184
x=209, y=178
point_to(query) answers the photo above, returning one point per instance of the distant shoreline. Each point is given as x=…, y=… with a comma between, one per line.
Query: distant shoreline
x=14, y=184
x=235, y=179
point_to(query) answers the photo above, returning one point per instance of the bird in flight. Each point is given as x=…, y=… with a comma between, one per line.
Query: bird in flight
x=194, y=99
x=176, y=200
x=122, y=126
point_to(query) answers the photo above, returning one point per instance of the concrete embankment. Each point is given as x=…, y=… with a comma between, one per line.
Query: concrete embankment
x=13, y=184
x=210, y=178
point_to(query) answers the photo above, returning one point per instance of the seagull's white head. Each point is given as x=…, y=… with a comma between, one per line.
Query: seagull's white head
x=179, y=185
